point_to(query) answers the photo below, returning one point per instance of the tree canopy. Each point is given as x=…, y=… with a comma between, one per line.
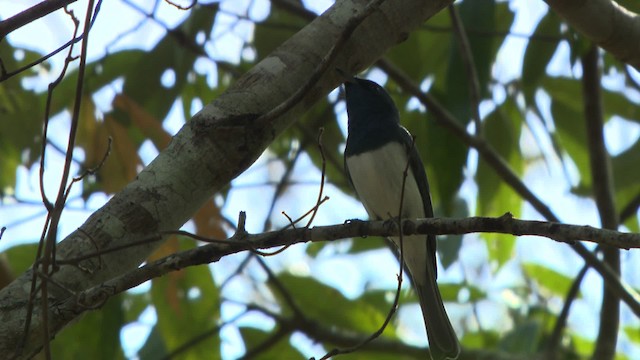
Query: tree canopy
x=138, y=118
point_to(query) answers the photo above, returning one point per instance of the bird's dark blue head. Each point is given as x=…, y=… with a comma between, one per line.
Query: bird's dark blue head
x=373, y=117
x=369, y=105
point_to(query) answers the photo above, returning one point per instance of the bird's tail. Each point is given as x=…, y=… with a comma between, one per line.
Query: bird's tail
x=443, y=342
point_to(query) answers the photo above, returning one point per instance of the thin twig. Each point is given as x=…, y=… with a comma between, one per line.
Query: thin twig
x=630, y=209
x=469, y=65
x=89, y=171
x=323, y=334
x=199, y=338
x=323, y=170
x=286, y=295
x=5, y=75
x=292, y=223
x=555, y=338
x=44, y=251
x=49, y=254
x=281, y=186
x=31, y=14
x=180, y=7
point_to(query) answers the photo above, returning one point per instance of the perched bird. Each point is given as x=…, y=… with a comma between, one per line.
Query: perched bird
x=378, y=149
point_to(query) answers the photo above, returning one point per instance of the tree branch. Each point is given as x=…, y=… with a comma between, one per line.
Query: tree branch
x=606, y=23
x=213, y=252
x=555, y=338
x=31, y=14
x=602, y=178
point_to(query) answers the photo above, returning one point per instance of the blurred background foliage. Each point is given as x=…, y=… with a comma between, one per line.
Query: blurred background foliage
x=503, y=293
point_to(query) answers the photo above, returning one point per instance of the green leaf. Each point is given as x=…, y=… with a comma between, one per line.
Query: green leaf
x=304, y=133
x=442, y=153
x=632, y=333
x=524, y=339
x=450, y=292
x=176, y=52
x=276, y=29
x=444, y=156
x=99, y=332
x=352, y=315
x=583, y=346
x=555, y=282
x=501, y=129
x=379, y=355
x=478, y=17
x=98, y=74
x=542, y=45
x=197, y=88
x=626, y=186
x=578, y=45
x=359, y=245
x=154, y=347
x=484, y=339
x=20, y=121
x=571, y=137
x=632, y=224
x=383, y=299
x=569, y=93
x=280, y=349
x=425, y=51
x=188, y=305
x=621, y=165
x=134, y=304
x=448, y=248
x=20, y=257
x=8, y=165
x=449, y=245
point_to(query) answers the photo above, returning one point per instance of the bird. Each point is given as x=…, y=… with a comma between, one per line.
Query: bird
x=377, y=152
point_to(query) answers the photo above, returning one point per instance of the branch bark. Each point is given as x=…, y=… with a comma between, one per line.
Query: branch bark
x=602, y=178
x=95, y=296
x=31, y=14
x=606, y=23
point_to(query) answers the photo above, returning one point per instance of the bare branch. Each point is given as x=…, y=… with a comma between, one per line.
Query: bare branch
x=555, y=338
x=602, y=178
x=31, y=14
x=213, y=252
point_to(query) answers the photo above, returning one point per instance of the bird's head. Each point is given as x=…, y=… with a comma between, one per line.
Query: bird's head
x=368, y=104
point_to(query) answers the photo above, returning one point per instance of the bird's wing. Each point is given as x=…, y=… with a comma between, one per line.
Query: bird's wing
x=417, y=167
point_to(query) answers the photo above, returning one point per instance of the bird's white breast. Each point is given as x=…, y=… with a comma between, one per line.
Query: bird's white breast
x=377, y=177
